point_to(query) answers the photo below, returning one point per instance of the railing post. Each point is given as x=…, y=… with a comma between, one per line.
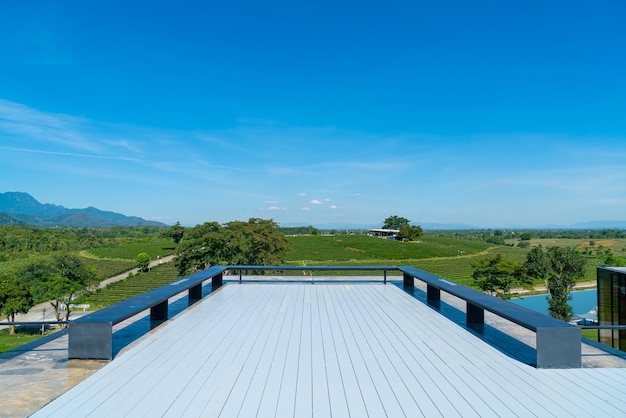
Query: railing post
x=474, y=314
x=559, y=348
x=195, y=293
x=409, y=281
x=433, y=294
x=159, y=312
x=90, y=340
x=217, y=280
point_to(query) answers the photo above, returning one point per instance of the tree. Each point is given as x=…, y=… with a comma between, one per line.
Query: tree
x=256, y=242
x=176, y=232
x=526, y=236
x=410, y=232
x=612, y=260
x=15, y=297
x=142, y=262
x=70, y=278
x=496, y=273
x=395, y=222
x=58, y=279
x=559, y=268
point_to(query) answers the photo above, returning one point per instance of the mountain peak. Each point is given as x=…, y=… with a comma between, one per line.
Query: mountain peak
x=24, y=208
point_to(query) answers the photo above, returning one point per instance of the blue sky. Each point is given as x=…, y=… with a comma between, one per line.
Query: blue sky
x=485, y=113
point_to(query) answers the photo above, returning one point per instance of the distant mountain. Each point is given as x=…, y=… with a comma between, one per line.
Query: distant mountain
x=21, y=208
x=600, y=225
x=460, y=226
x=355, y=227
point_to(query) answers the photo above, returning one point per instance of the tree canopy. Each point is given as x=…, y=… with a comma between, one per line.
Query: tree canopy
x=559, y=268
x=58, y=278
x=395, y=222
x=175, y=232
x=256, y=242
x=498, y=274
x=142, y=262
x=15, y=296
x=410, y=232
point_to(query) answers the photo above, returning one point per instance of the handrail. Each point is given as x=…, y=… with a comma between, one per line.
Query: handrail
x=558, y=343
x=602, y=326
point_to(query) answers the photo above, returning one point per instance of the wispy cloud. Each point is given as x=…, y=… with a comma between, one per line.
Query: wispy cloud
x=316, y=202
x=17, y=120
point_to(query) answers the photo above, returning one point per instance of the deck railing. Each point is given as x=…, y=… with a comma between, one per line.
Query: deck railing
x=558, y=344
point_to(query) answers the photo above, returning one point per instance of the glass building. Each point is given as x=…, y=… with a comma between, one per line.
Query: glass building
x=612, y=305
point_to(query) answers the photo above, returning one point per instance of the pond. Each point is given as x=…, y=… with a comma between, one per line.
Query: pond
x=582, y=302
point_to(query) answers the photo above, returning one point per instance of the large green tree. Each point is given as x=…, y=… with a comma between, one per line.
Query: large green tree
x=395, y=222
x=497, y=274
x=15, y=297
x=559, y=268
x=58, y=279
x=175, y=232
x=255, y=242
x=410, y=232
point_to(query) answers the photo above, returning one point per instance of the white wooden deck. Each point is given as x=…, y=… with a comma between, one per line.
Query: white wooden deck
x=340, y=350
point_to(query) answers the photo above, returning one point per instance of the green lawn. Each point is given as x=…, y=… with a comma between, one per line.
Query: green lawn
x=23, y=336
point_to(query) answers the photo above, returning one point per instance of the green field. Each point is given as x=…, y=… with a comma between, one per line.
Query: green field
x=450, y=258
x=132, y=286
x=362, y=248
x=447, y=257
x=127, y=249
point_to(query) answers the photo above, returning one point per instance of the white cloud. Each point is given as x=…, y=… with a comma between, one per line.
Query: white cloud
x=271, y=202
x=316, y=202
x=276, y=208
x=301, y=194
x=334, y=207
x=306, y=208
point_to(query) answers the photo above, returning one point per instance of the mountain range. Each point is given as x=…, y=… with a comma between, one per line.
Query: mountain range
x=17, y=208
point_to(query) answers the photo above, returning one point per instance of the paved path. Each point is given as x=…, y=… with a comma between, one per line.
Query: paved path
x=45, y=312
x=542, y=288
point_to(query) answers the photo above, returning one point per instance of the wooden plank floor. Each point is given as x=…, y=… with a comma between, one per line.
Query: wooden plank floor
x=322, y=350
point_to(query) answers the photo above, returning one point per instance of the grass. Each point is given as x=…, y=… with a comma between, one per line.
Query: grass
x=354, y=249
x=108, y=268
x=132, y=286
x=23, y=335
x=592, y=334
x=447, y=257
x=128, y=249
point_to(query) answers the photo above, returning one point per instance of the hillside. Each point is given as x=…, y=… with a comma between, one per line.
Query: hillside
x=22, y=208
x=364, y=249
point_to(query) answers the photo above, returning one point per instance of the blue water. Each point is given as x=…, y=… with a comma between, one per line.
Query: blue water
x=582, y=302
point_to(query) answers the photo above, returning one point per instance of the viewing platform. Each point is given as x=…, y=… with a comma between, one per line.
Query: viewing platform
x=284, y=346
